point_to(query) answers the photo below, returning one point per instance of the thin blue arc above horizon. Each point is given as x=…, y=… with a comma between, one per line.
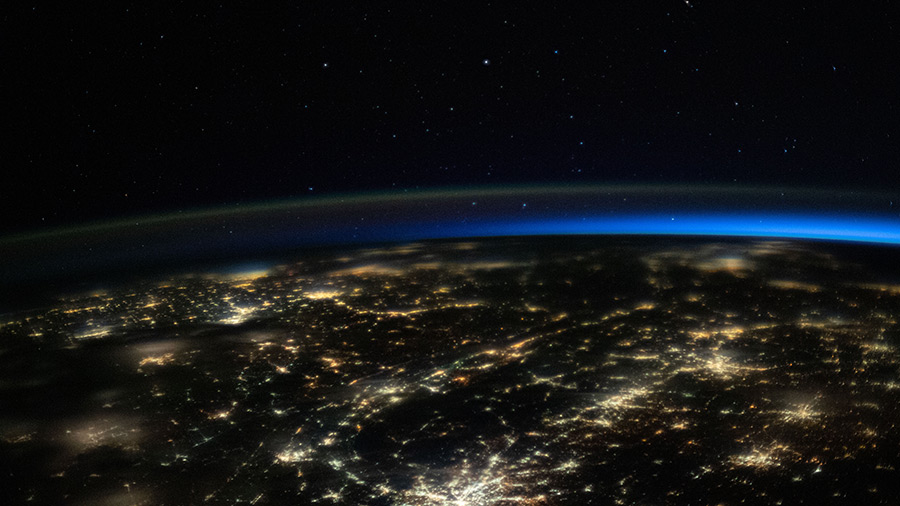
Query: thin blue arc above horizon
x=221, y=234
x=853, y=228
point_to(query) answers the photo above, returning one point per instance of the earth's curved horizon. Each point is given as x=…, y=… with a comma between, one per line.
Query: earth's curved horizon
x=238, y=231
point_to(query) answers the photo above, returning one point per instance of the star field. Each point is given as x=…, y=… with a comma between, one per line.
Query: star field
x=130, y=108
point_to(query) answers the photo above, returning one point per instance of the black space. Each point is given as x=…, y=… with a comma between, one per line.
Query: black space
x=133, y=107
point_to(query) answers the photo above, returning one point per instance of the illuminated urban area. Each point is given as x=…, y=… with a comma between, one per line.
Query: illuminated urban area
x=503, y=372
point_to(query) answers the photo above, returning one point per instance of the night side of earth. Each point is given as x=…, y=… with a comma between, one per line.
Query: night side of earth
x=503, y=371
x=450, y=254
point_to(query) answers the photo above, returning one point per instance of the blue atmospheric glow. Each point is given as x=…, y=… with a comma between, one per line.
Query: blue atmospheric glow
x=854, y=228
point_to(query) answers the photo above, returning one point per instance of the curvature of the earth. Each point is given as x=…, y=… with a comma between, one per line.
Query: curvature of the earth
x=562, y=371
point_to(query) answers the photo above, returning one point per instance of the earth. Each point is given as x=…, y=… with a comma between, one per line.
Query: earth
x=498, y=372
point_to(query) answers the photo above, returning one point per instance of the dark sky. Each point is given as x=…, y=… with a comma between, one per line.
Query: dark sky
x=157, y=107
